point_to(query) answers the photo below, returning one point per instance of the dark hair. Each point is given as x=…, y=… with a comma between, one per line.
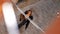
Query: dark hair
x=26, y=12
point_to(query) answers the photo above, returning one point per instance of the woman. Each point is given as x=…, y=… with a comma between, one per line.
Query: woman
x=24, y=20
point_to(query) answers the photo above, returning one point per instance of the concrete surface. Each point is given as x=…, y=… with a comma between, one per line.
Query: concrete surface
x=43, y=12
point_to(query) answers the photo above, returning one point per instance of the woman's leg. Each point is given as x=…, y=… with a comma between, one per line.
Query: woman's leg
x=21, y=24
x=27, y=24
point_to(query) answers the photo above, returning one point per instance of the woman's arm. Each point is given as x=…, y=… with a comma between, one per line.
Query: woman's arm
x=21, y=17
x=31, y=17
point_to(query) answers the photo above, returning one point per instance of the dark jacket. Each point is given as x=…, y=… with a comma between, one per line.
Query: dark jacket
x=25, y=22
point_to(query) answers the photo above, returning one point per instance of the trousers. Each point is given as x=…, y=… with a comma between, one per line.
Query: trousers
x=24, y=22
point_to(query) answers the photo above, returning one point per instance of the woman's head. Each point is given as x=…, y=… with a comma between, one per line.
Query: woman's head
x=28, y=12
